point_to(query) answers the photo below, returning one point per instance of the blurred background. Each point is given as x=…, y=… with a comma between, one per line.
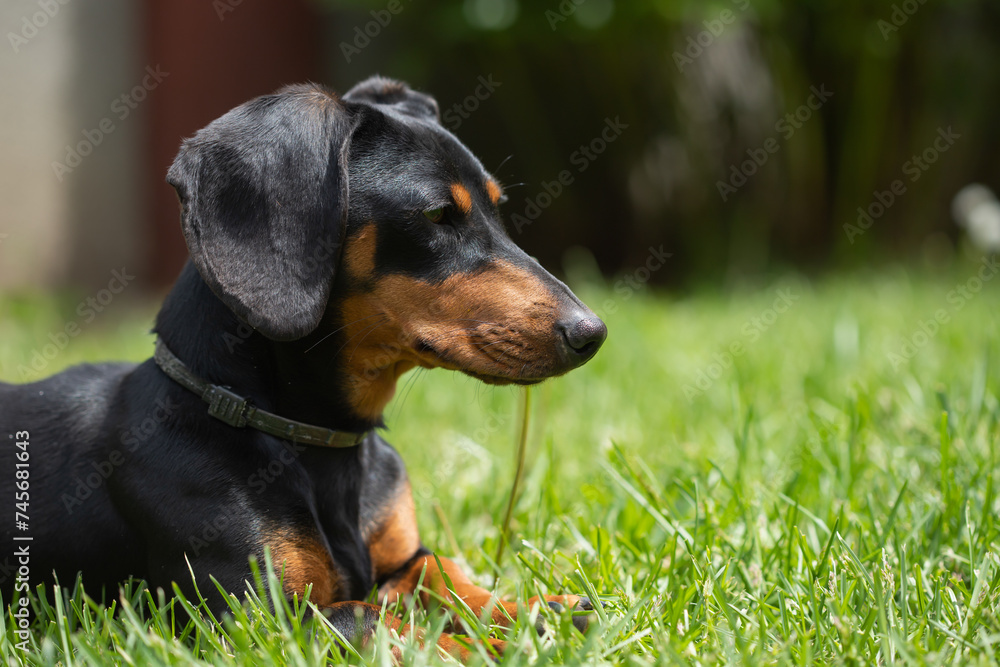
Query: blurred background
x=695, y=169
x=743, y=137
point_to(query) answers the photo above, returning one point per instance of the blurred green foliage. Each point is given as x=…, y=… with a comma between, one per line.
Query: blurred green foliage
x=703, y=87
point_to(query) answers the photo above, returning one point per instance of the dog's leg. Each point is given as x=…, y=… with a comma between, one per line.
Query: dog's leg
x=356, y=622
x=399, y=560
x=435, y=587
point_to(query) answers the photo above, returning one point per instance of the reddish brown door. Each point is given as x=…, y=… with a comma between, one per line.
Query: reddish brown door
x=216, y=54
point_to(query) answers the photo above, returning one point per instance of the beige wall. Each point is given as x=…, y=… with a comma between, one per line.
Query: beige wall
x=71, y=63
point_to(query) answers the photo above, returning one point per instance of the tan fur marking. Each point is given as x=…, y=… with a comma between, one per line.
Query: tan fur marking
x=305, y=561
x=463, y=200
x=498, y=323
x=446, y=642
x=477, y=599
x=359, y=254
x=396, y=539
x=494, y=191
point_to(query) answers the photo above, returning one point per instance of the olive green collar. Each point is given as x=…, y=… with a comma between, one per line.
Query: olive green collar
x=231, y=408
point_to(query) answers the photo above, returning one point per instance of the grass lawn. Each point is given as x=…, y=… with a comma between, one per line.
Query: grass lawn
x=738, y=484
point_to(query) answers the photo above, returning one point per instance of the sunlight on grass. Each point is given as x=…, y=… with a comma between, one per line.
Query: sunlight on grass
x=802, y=473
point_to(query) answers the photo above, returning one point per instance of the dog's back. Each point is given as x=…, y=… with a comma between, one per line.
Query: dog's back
x=58, y=480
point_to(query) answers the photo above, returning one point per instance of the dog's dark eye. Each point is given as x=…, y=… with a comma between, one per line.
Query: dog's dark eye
x=434, y=214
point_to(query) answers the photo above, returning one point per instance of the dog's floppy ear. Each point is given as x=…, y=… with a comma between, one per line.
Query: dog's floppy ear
x=263, y=193
x=379, y=91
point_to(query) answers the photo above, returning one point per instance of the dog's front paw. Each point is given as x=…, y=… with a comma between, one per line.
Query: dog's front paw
x=465, y=649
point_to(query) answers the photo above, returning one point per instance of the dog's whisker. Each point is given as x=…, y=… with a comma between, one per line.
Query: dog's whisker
x=369, y=332
x=483, y=347
x=341, y=329
x=497, y=356
x=448, y=335
x=363, y=331
x=407, y=388
x=500, y=166
x=469, y=319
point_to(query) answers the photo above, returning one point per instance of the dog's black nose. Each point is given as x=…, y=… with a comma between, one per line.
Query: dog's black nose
x=584, y=336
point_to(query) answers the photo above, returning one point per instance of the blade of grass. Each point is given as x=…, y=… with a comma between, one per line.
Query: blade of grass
x=522, y=446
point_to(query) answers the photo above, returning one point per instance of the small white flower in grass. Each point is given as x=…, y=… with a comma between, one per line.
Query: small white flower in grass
x=708, y=587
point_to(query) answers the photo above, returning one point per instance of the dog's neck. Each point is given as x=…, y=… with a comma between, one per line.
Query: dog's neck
x=297, y=380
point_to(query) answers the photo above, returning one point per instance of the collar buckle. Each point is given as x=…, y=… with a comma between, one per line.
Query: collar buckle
x=227, y=406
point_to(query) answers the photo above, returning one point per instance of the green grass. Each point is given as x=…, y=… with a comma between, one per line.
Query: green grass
x=820, y=502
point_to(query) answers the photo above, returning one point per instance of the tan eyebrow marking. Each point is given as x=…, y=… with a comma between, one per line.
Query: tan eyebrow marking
x=494, y=191
x=463, y=200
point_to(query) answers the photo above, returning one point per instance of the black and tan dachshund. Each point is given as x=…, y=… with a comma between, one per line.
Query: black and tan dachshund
x=336, y=243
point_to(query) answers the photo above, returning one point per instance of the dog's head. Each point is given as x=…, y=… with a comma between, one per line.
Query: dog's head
x=362, y=218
